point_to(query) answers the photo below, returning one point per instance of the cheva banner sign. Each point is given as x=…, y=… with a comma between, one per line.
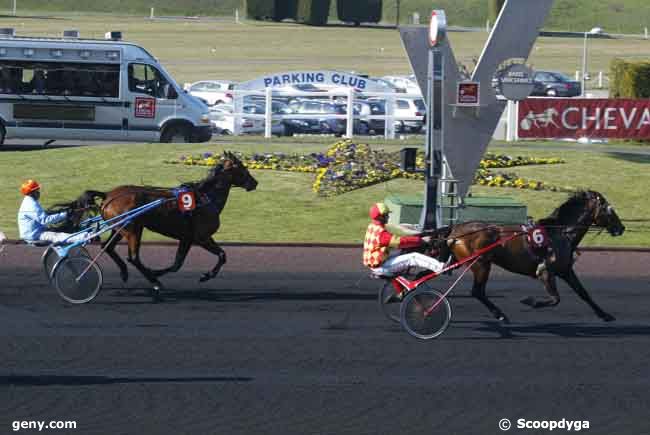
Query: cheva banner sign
x=571, y=118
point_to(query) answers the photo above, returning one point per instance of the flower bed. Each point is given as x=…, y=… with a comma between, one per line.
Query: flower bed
x=347, y=166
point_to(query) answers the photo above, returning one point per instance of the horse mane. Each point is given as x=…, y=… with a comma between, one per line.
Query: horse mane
x=569, y=210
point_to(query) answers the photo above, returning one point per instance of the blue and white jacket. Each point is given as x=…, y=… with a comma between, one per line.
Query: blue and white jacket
x=33, y=221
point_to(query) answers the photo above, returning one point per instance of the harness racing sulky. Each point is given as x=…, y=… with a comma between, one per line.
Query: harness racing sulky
x=189, y=214
x=425, y=312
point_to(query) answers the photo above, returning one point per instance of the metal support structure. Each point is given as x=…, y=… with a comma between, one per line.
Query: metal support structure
x=434, y=153
x=466, y=137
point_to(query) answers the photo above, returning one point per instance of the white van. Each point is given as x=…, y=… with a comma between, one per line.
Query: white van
x=71, y=88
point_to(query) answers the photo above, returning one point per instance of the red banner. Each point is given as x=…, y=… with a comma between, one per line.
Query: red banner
x=548, y=118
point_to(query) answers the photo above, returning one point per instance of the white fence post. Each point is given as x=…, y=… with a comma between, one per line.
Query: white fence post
x=389, y=128
x=350, y=121
x=510, y=128
x=236, y=16
x=238, y=106
x=151, y=15
x=516, y=120
x=600, y=80
x=268, y=115
x=577, y=76
x=646, y=33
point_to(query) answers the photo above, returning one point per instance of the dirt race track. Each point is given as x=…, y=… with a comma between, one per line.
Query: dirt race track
x=290, y=341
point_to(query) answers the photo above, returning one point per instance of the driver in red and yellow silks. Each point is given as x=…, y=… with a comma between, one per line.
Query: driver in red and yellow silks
x=379, y=241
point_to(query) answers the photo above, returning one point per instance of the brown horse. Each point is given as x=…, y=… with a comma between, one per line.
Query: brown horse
x=189, y=228
x=566, y=227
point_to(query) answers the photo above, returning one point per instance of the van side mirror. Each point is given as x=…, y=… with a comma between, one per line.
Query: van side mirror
x=171, y=93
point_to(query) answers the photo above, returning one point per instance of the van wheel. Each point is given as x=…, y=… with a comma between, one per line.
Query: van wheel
x=175, y=134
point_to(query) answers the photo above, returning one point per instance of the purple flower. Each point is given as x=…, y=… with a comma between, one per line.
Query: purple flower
x=207, y=155
x=183, y=158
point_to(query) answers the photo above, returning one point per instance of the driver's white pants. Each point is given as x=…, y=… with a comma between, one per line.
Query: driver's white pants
x=399, y=263
x=50, y=236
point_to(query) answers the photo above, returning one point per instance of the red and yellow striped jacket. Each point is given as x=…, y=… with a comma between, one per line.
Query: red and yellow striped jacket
x=378, y=241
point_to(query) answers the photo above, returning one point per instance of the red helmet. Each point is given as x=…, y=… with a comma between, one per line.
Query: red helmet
x=29, y=186
x=378, y=210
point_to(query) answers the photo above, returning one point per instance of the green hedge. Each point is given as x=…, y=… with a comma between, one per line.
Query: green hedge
x=260, y=9
x=629, y=79
x=314, y=12
x=285, y=9
x=359, y=11
x=494, y=8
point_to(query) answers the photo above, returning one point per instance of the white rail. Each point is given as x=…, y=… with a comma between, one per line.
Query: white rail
x=350, y=96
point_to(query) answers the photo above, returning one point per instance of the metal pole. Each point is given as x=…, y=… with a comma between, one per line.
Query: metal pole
x=428, y=218
x=14, y=9
x=584, y=65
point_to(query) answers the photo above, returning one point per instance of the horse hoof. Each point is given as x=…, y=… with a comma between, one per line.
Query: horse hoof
x=205, y=277
x=608, y=318
x=124, y=276
x=530, y=301
x=503, y=319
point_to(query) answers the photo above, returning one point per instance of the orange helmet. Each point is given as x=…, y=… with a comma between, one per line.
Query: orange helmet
x=378, y=210
x=29, y=186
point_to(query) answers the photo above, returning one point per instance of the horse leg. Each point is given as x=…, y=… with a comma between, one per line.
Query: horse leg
x=109, y=247
x=184, y=246
x=481, y=272
x=551, y=287
x=572, y=279
x=134, y=236
x=212, y=247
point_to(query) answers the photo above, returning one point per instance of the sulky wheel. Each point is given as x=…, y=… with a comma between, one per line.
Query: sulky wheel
x=51, y=257
x=77, y=279
x=392, y=310
x=425, y=313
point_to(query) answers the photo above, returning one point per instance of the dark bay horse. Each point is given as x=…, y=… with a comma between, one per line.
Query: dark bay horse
x=193, y=228
x=566, y=227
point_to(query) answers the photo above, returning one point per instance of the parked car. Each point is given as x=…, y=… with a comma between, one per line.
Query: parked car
x=213, y=92
x=555, y=84
x=410, y=108
x=223, y=120
x=371, y=108
x=403, y=84
x=320, y=123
